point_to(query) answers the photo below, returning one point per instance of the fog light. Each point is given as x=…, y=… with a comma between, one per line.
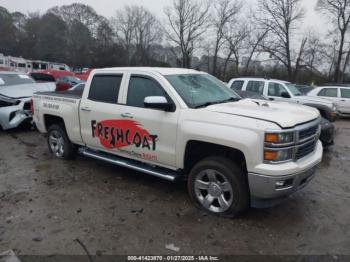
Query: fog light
x=284, y=184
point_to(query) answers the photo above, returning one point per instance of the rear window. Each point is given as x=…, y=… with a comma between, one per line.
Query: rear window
x=256, y=87
x=105, y=88
x=345, y=93
x=238, y=84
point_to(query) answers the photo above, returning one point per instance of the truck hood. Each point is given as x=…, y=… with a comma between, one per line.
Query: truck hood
x=26, y=90
x=283, y=114
x=314, y=100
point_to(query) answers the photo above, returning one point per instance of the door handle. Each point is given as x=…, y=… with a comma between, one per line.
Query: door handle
x=343, y=100
x=127, y=115
x=85, y=109
x=271, y=99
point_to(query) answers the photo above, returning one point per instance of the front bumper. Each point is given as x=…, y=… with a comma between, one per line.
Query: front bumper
x=13, y=116
x=276, y=182
x=273, y=187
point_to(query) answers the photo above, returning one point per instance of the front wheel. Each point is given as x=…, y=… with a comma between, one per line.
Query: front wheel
x=218, y=186
x=59, y=143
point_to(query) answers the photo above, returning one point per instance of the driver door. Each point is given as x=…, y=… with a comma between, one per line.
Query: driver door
x=157, y=124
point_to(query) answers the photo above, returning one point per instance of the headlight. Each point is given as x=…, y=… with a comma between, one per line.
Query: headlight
x=279, y=138
x=282, y=155
x=8, y=100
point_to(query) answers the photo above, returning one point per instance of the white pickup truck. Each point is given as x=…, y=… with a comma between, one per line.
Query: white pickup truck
x=184, y=124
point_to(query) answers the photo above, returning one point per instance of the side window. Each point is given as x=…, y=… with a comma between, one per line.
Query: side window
x=345, y=93
x=256, y=87
x=105, y=88
x=329, y=92
x=238, y=84
x=276, y=89
x=141, y=87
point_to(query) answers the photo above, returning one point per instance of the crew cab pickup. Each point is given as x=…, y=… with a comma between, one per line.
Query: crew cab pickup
x=184, y=124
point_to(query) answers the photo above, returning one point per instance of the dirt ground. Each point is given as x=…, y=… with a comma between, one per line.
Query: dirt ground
x=46, y=204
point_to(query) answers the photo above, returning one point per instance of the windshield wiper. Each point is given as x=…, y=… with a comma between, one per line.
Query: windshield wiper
x=231, y=99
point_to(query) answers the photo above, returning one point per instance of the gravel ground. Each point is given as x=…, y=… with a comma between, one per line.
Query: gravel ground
x=47, y=204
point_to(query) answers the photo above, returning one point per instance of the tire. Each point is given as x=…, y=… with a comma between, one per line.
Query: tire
x=59, y=143
x=219, y=186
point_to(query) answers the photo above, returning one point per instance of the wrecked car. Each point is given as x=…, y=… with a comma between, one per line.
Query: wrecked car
x=16, y=90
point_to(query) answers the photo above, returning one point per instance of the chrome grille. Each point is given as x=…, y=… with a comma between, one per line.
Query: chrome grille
x=307, y=133
x=305, y=149
x=304, y=144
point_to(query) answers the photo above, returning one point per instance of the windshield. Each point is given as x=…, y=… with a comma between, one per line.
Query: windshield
x=199, y=90
x=294, y=90
x=15, y=79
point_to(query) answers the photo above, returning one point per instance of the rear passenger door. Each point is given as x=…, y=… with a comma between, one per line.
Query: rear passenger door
x=255, y=86
x=159, y=127
x=344, y=102
x=99, y=108
x=330, y=93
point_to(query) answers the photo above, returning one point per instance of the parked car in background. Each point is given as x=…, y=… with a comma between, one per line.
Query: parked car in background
x=304, y=89
x=277, y=90
x=67, y=82
x=83, y=74
x=42, y=77
x=339, y=95
x=327, y=128
x=78, y=89
x=57, y=73
x=16, y=91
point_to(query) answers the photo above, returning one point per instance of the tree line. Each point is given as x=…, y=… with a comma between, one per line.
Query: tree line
x=226, y=38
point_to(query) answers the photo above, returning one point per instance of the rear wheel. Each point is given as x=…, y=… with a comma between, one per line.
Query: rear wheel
x=218, y=186
x=59, y=143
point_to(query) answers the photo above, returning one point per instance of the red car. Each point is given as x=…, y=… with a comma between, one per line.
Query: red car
x=84, y=74
x=56, y=73
x=67, y=82
x=64, y=79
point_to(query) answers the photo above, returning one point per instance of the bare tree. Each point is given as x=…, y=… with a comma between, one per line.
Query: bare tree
x=84, y=14
x=280, y=18
x=299, y=60
x=255, y=37
x=187, y=21
x=124, y=24
x=225, y=12
x=147, y=32
x=339, y=11
x=314, y=54
x=236, y=44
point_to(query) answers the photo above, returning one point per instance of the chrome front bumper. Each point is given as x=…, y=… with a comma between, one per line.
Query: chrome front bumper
x=274, y=187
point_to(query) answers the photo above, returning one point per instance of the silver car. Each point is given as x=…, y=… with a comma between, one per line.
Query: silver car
x=16, y=91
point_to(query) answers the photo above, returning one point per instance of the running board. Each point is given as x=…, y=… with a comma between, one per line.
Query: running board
x=131, y=164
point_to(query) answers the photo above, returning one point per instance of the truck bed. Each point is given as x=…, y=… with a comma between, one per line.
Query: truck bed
x=64, y=105
x=75, y=94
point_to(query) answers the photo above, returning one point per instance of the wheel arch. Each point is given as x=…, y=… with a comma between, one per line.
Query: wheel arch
x=50, y=120
x=195, y=151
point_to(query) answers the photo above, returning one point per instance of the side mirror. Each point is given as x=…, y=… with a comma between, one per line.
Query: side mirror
x=158, y=102
x=285, y=95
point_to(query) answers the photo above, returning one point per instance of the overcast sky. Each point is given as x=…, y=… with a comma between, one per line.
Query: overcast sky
x=108, y=7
